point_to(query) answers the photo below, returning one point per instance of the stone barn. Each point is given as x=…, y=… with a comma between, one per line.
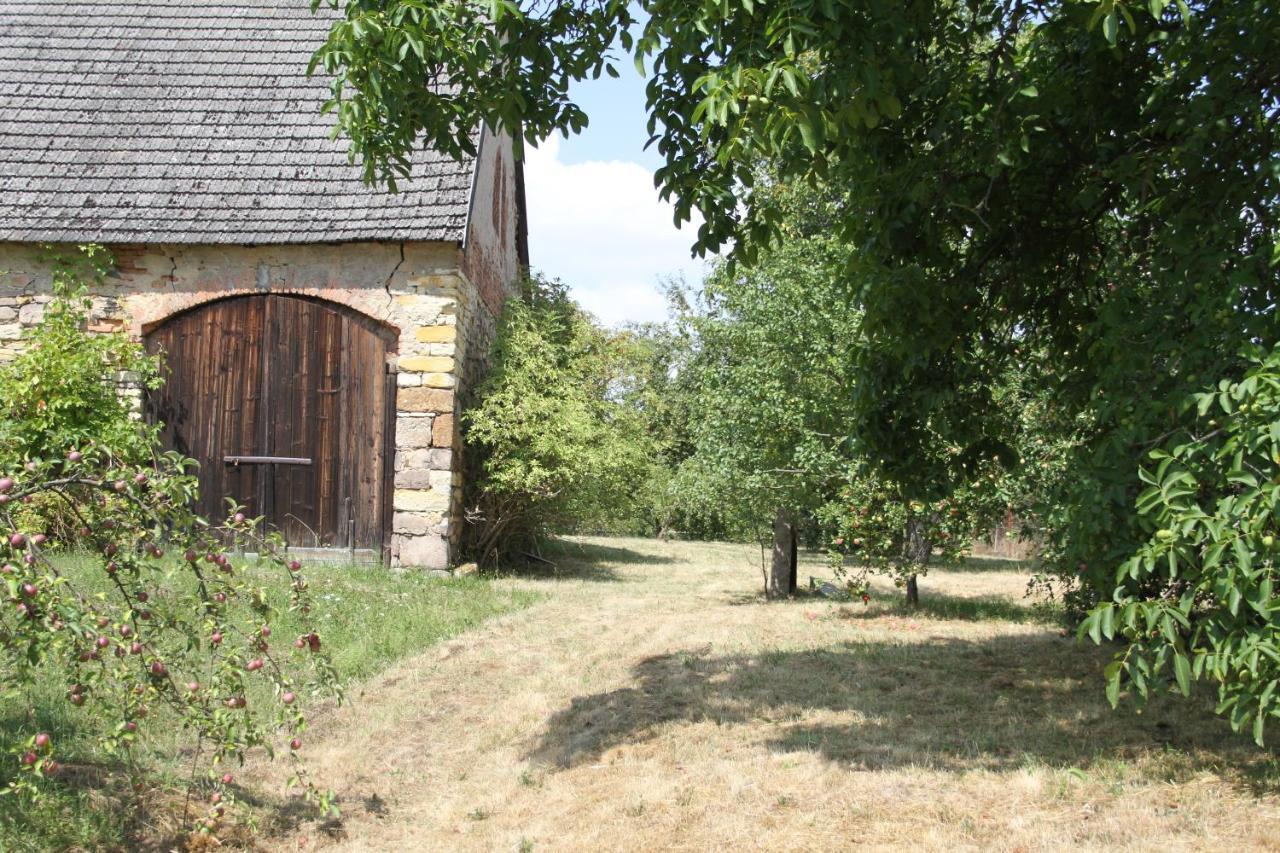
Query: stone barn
x=320, y=335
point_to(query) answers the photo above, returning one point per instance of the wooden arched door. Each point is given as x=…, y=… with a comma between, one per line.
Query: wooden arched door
x=287, y=405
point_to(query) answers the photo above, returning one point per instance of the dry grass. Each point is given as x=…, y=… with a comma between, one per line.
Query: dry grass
x=654, y=701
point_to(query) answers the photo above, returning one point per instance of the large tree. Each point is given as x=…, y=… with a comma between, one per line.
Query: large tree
x=1087, y=189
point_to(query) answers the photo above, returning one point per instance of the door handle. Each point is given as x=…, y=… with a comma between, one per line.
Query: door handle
x=266, y=460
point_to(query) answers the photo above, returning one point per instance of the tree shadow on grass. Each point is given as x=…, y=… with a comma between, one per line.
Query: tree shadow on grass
x=598, y=553
x=566, y=559
x=952, y=705
x=933, y=605
x=965, y=608
x=92, y=804
x=991, y=564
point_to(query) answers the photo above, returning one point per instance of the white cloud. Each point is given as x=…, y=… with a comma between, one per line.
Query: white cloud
x=600, y=227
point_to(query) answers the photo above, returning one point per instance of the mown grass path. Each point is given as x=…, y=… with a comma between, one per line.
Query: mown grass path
x=654, y=701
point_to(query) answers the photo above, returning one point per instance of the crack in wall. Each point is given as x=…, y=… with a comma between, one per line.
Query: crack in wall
x=386, y=285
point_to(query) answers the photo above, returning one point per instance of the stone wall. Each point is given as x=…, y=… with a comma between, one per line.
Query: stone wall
x=417, y=289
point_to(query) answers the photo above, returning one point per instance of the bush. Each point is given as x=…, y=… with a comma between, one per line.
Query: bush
x=552, y=445
x=154, y=641
x=63, y=389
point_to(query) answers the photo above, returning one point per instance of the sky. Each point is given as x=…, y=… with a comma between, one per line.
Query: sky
x=595, y=220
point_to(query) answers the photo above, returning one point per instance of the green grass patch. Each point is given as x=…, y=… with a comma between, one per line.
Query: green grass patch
x=983, y=609
x=368, y=618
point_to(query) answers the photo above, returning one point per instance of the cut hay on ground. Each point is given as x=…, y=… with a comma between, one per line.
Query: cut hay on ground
x=655, y=701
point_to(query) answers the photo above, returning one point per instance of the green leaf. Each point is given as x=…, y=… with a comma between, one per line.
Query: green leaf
x=1112, y=675
x=1110, y=27
x=1182, y=672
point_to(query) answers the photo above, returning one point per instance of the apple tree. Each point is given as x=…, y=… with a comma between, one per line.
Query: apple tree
x=768, y=371
x=113, y=589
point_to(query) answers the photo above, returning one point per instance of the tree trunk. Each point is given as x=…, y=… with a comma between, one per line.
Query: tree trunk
x=782, y=570
x=918, y=549
x=913, y=591
x=795, y=560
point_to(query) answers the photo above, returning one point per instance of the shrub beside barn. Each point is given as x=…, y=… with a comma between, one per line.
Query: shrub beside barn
x=320, y=335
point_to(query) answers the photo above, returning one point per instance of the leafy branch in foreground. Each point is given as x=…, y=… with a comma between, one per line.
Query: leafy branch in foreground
x=168, y=629
x=1199, y=599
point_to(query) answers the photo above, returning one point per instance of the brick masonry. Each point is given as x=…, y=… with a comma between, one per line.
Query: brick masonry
x=443, y=323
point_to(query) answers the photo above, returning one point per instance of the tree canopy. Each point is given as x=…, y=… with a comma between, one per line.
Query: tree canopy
x=1086, y=190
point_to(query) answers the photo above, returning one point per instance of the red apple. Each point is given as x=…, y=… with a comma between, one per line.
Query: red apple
x=43, y=740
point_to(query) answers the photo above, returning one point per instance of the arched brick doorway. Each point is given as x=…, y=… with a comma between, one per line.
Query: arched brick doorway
x=287, y=405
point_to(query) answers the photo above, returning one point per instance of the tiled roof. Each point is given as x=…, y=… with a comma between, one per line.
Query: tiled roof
x=189, y=121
